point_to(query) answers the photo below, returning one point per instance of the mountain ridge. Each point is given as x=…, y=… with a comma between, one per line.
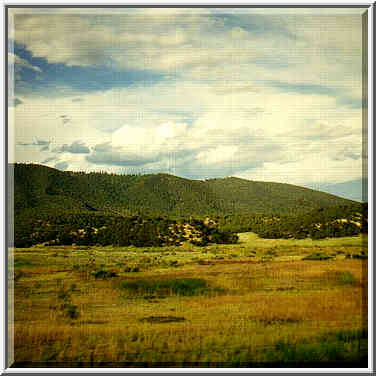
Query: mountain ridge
x=42, y=187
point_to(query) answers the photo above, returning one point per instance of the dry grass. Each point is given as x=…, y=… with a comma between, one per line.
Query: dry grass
x=254, y=307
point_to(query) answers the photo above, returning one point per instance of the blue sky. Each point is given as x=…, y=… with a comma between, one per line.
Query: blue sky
x=77, y=78
x=199, y=93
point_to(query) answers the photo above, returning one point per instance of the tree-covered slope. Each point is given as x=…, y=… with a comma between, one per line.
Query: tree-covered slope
x=240, y=195
x=45, y=188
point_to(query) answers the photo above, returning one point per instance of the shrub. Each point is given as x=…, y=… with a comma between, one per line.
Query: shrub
x=71, y=311
x=133, y=269
x=63, y=294
x=104, y=274
x=181, y=287
x=200, y=243
x=317, y=257
x=174, y=263
x=162, y=319
x=270, y=252
x=361, y=256
x=66, y=307
x=18, y=274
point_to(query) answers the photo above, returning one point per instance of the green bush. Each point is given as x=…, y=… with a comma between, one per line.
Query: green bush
x=132, y=269
x=71, y=311
x=162, y=319
x=181, y=287
x=361, y=256
x=104, y=274
x=317, y=257
x=66, y=307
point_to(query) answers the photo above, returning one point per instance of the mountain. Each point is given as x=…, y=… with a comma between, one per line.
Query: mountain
x=356, y=190
x=44, y=189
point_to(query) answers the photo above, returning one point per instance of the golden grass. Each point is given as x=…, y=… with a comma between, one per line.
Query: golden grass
x=260, y=304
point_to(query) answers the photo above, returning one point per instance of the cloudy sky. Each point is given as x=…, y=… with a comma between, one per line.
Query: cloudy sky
x=272, y=95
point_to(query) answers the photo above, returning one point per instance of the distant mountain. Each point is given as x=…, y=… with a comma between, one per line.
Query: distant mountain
x=44, y=189
x=356, y=190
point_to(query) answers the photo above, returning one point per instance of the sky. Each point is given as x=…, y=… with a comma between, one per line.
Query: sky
x=261, y=94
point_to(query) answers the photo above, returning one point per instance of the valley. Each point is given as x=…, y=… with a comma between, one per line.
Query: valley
x=159, y=271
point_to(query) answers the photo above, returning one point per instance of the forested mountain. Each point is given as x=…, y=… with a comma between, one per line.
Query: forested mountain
x=61, y=208
x=48, y=189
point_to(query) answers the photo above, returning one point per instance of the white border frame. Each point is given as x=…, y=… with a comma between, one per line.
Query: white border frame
x=152, y=3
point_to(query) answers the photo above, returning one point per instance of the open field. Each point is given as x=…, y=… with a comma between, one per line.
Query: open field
x=258, y=303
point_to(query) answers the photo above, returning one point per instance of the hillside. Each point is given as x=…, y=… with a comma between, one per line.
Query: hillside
x=47, y=189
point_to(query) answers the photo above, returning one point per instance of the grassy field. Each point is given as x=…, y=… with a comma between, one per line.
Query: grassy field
x=259, y=303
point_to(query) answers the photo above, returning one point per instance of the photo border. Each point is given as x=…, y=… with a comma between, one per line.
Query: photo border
x=8, y=179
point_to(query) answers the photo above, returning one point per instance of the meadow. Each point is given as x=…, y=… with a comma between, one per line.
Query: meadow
x=258, y=303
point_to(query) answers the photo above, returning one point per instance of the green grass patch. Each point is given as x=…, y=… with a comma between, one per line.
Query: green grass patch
x=339, y=347
x=162, y=319
x=20, y=263
x=339, y=278
x=347, y=335
x=257, y=242
x=181, y=287
x=317, y=256
x=346, y=278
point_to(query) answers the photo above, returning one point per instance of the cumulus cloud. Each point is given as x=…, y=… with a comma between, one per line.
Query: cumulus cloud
x=349, y=152
x=77, y=147
x=106, y=154
x=268, y=98
x=230, y=134
x=200, y=41
x=313, y=169
x=321, y=131
x=188, y=150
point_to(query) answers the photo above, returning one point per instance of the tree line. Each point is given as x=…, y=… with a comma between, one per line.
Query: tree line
x=320, y=223
x=103, y=230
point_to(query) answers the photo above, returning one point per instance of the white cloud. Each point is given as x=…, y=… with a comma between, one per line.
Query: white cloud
x=194, y=43
x=231, y=133
x=218, y=112
x=313, y=169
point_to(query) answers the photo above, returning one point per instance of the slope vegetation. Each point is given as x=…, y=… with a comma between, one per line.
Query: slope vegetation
x=47, y=189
